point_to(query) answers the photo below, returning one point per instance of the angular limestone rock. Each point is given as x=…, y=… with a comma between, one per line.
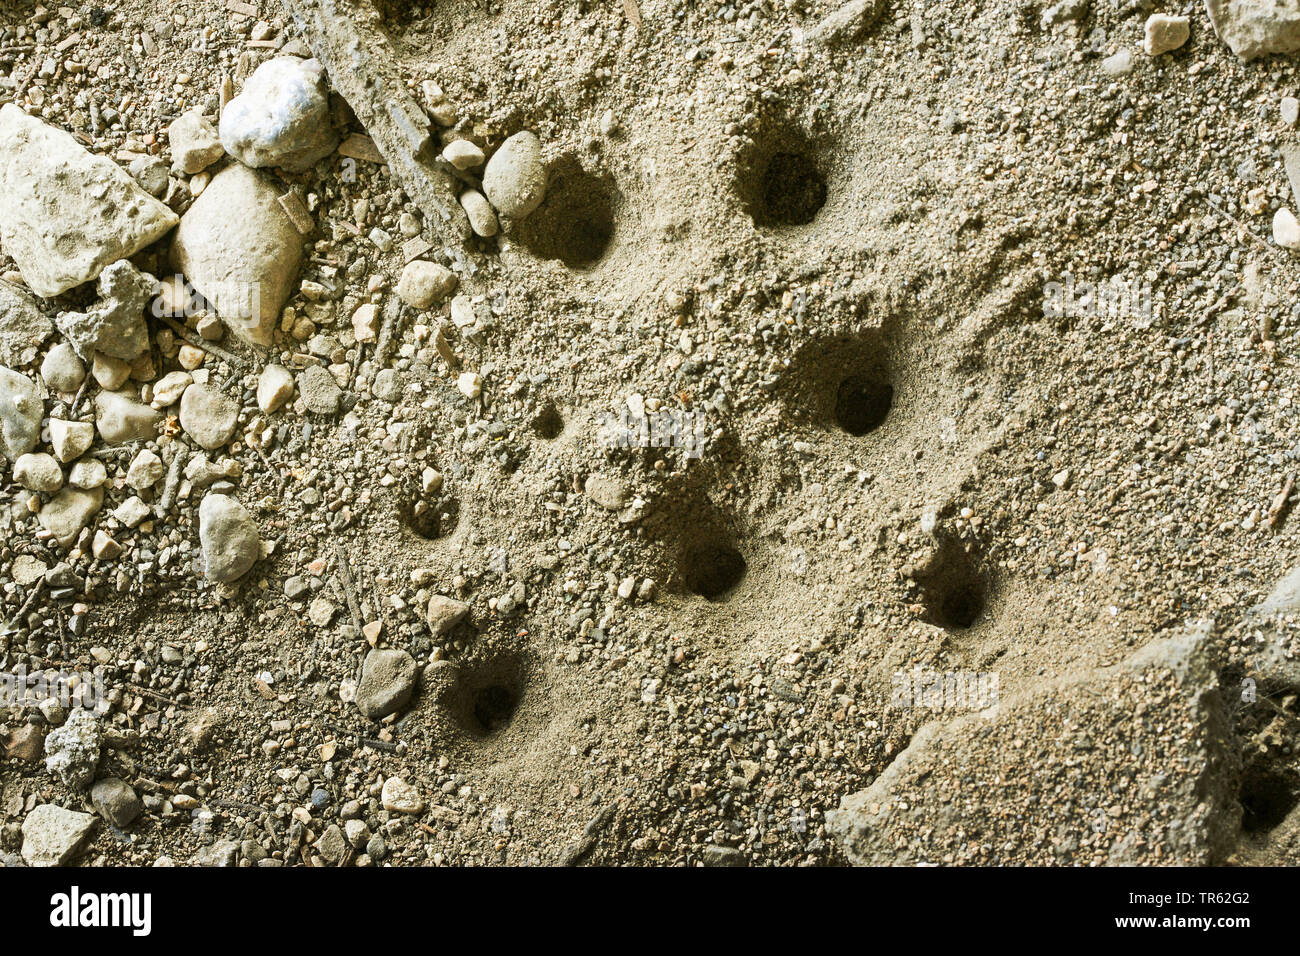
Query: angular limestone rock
x=23, y=327
x=67, y=212
x=69, y=511
x=116, y=325
x=52, y=836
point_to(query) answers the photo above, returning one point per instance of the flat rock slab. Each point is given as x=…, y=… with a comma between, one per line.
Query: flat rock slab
x=52, y=836
x=67, y=212
x=1023, y=773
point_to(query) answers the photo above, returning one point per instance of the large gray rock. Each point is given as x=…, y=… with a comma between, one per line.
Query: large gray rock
x=72, y=751
x=116, y=325
x=1255, y=28
x=515, y=179
x=240, y=250
x=208, y=416
x=229, y=537
x=52, y=836
x=21, y=409
x=67, y=212
x=281, y=117
x=23, y=327
x=120, y=418
x=1035, y=781
x=69, y=511
x=387, y=681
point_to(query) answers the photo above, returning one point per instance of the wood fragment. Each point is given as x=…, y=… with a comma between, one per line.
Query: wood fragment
x=360, y=146
x=1278, y=509
x=226, y=93
x=242, y=8
x=203, y=344
x=415, y=248
x=633, y=13
x=349, y=39
x=349, y=588
x=37, y=590
x=173, y=482
x=297, y=212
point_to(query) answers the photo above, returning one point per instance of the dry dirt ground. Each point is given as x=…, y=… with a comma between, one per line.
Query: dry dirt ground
x=835, y=256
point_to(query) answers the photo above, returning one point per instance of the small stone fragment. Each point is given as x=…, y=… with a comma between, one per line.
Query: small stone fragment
x=52, y=836
x=425, y=284
x=194, y=143
x=274, y=388
x=70, y=440
x=444, y=613
x=1165, y=33
x=398, y=796
x=72, y=751
x=62, y=371
x=38, y=472
x=281, y=117
x=320, y=392
x=387, y=682
x=21, y=409
x=482, y=217
x=208, y=416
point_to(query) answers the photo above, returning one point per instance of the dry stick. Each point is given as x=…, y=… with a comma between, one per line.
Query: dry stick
x=371, y=742
x=384, y=345
x=199, y=343
x=12, y=626
x=1241, y=225
x=349, y=588
x=275, y=472
x=349, y=39
x=173, y=482
x=157, y=696
x=1278, y=507
x=72, y=409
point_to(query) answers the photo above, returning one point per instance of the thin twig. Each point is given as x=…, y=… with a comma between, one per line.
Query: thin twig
x=200, y=343
x=348, y=586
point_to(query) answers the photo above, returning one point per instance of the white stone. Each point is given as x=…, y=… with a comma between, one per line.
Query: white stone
x=281, y=117
x=38, y=472
x=515, y=179
x=70, y=440
x=240, y=250
x=1286, y=229
x=132, y=512
x=1165, y=33
x=169, y=389
x=146, y=471
x=463, y=154
x=470, y=384
x=88, y=474
x=274, y=388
